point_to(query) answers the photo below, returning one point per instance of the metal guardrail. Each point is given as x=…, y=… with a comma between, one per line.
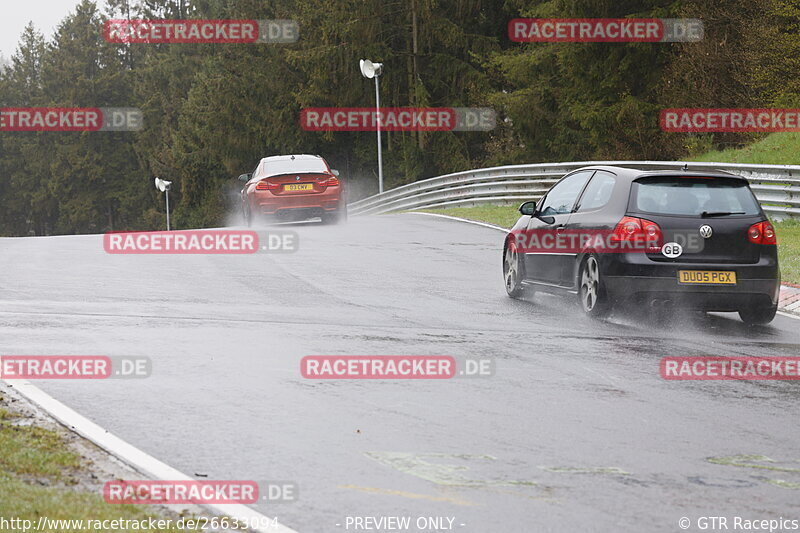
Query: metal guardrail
x=777, y=187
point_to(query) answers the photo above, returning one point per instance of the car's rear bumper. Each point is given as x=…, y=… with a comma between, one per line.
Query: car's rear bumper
x=267, y=204
x=635, y=277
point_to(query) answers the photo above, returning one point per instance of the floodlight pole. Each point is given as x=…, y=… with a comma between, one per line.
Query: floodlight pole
x=167, y=192
x=378, y=116
x=164, y=186
x=374, y=70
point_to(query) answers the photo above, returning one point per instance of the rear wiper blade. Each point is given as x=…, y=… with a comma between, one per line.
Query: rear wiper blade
x=707, y=214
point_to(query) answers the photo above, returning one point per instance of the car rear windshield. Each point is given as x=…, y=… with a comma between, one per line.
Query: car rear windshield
x=690, y=196
x=304, y=165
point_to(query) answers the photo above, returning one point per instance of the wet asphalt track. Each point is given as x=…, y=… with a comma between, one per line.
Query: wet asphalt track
x=575, y=432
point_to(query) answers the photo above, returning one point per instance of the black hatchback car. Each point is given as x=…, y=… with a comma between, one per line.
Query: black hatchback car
x=613, y=235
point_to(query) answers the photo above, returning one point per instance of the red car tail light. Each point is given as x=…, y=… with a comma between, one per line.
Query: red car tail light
x=330, y=182
x=266, y=186
x=762, y=233
x=643, y=234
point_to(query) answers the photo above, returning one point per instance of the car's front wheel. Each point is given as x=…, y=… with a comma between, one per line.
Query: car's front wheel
x=591, y=292
x=758, y=315
x=513, y=271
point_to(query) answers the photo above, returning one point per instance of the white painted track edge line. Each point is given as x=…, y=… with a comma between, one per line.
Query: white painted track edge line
x=788, y=315
x=129, y=454
x=468, y=221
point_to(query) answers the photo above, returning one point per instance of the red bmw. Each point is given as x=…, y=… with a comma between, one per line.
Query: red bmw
x=293, y=187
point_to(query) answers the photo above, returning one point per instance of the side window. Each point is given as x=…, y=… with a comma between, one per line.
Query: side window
x=562, y=197
x=598, y=192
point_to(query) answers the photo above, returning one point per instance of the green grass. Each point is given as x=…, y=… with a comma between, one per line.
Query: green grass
x=37, y=468
x=775, y=149
x=499, y=215
x=789, y=250
x=28, y=502
x=505, y=216
x=34, y=452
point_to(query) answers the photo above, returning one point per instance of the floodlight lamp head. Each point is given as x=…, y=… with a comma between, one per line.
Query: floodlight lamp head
x=162, y=185
x=370, y=69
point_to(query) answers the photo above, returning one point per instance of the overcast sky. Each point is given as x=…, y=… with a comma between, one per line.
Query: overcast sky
x=45, y=14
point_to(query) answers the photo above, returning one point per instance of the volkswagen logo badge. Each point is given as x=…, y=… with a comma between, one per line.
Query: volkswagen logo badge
x=706, y=231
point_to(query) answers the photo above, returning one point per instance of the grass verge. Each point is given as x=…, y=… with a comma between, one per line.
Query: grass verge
x=506, y=216
x=789, y=250
x=774, y=149
x=39, y=476
x=499, y=215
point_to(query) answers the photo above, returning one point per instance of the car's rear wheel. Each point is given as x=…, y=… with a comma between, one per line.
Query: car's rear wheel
x=337, y=217
x=591, y=292
x=758, y=315
x=513, y=271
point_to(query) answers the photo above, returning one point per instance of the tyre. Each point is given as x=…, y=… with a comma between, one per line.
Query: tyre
x=337, y=217
x=592, y=295
x=248, y=217
x=758, y=315
x=513, y=271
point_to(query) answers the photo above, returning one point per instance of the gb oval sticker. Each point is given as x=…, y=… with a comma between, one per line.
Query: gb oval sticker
x=672, y=250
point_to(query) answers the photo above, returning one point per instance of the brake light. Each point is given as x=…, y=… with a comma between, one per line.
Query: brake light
x=640, y=233
x=330, y=182
x=266, y=186
x=762, y=233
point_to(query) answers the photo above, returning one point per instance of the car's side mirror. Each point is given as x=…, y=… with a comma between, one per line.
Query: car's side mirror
x=245, y=177
x=528, y=208
x=335, y=172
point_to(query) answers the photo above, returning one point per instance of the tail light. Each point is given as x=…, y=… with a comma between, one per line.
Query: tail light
x=266, y=186
x=333, y=181
x=642, y=234
x=762, y=233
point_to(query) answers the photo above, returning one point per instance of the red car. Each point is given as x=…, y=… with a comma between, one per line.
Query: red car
x=293, y=187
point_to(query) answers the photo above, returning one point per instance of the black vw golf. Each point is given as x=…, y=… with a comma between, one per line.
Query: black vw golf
x=613, y=236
